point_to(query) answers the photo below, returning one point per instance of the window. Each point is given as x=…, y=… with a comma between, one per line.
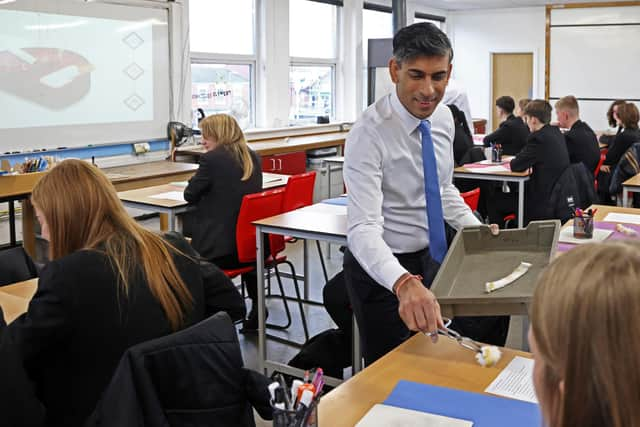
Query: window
x=222, y=26
x=312, y=29
x=222, y=88
x=311, y=91
x=313, y=51
x=377, y=23
x=223, y=58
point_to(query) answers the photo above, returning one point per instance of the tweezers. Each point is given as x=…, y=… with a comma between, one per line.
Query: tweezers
x=465, y=342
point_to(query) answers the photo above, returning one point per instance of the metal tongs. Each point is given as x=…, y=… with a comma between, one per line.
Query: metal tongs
x=465, y=342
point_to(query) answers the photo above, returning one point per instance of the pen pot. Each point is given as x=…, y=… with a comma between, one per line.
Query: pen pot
x=496, y=155
x=291, y=418
x=583, y=227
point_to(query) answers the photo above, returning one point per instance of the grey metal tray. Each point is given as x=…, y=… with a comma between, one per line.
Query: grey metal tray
x=476, y=257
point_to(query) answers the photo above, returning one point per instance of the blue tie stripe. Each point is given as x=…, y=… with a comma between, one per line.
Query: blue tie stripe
x=435, y=219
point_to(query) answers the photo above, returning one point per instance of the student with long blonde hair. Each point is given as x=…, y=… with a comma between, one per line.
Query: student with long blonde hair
x=228, y=171
x=109, y=284
x=584, y=319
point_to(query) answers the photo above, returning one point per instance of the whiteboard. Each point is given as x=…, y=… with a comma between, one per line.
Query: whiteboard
x=75, y=73
x=595, y=62
x=595, y=56
x=594, y=113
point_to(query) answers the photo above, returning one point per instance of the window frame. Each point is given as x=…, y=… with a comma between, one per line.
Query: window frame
x=334, y=63
x=211, y=58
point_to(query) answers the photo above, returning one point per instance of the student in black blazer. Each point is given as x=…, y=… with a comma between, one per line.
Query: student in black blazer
x=612, y=119
x=512, y=132
x=582, y=143
x=110, y=284
x=228, y=171
x=628, y=118
x=546, y=153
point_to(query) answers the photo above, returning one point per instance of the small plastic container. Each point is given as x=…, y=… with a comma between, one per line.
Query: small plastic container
x=583, y=227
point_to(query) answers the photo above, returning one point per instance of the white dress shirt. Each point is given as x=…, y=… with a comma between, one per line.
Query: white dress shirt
x=386, y=212
x=456, y=94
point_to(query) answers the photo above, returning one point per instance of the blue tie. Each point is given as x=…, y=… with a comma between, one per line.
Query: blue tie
x=437, y=238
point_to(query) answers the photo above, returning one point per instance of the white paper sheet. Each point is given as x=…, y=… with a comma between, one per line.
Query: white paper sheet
x=599, y=235
x=390, y=416
x=179, y=183
x=515, y=381
x=169, y=195
x=624, y=218
x=490, y=169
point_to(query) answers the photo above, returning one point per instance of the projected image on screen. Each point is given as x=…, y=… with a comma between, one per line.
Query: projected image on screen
x=60, y=70
x=50, y=77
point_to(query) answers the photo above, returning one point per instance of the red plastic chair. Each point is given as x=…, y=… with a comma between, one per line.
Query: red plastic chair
x=298, y=193
x=471, y=198
x=255, y=207
x=603, y=156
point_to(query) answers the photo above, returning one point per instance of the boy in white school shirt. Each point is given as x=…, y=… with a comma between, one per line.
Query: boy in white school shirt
x=391, y=240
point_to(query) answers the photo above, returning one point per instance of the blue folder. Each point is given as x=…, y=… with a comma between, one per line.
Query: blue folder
x=483, y=410
x=340, y=201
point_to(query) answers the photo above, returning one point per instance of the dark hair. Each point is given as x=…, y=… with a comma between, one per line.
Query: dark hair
x=506, y=103
x=629, y=115
x=421, y=39
x=540, y=109
x=612, y=121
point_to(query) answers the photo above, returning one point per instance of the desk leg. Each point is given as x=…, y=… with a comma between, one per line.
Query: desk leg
x=356, y=357
x=520, y=204
x=262, y=345
x=172, y=221
x=164, y=222
x=28, y=232
x=525, y=332
x=625, y=197
x=305, y=263
x=328, y=180
x=12, y=223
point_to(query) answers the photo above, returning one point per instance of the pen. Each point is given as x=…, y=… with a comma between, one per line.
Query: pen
x=283, y=386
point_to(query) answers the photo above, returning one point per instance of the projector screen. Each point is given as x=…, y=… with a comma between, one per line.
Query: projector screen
x=77, y=74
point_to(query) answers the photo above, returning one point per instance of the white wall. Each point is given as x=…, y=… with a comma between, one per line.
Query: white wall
x=476, y=34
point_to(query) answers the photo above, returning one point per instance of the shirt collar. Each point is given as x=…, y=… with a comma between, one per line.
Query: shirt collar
x=409, y=122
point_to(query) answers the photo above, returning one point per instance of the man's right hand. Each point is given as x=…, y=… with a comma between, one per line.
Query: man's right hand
x=418, y=308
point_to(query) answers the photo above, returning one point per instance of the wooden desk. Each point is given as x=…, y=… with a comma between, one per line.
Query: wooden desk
x=632, y=185
x=443, y=364
x=14, y=299
x=284, y=145
x=143, y=198
x=601, y=214
x=123, y=178
x=519, y=177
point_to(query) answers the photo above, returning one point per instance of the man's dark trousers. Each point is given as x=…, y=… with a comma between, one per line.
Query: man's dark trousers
x=376, y=307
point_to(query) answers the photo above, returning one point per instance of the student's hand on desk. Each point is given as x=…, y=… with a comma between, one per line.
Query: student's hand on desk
x=495, y=229
x=418, y=308
x=605, y=168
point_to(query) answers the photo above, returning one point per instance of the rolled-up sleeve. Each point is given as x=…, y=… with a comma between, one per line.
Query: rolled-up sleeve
x=364, y=152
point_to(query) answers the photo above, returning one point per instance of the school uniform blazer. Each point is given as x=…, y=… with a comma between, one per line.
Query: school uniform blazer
x=623, y=141
x=582, y=145
x=512, y=134
x=80, y=323
x=546, y=153
x=216, y=190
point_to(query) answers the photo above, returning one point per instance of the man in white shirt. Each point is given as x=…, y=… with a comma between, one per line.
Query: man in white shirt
x=388, y=230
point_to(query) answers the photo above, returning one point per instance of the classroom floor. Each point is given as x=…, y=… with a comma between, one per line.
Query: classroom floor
x=317, y=318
